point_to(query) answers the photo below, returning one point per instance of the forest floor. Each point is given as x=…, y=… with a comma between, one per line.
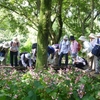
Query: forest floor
x=8, y=67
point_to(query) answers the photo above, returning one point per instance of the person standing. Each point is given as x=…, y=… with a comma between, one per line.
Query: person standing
x=97, y=59
x=92, y=58
x=87, y=47
x=74, y=47
x=64, y=48
x=14, y=48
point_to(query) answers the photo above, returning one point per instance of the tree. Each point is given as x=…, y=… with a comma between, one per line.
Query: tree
x=44, y=30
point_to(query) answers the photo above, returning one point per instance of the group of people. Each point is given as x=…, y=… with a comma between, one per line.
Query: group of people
x=13, y=48
x=56, y=52
x=94, y=61
x=70, y=46
x=67, y=46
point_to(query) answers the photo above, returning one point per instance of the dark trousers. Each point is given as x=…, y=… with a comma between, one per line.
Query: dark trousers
x=79, y=65
x=14, y=58
x=66, y=59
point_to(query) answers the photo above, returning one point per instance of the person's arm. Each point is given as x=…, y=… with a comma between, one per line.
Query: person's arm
x=30, y=63
x=18, y=44
x=69, y=48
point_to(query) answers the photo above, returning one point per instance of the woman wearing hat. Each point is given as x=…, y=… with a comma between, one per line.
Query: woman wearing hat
x=87, y=47
x=14, y=48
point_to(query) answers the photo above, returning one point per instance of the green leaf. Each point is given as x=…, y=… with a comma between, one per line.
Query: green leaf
x=54, y=95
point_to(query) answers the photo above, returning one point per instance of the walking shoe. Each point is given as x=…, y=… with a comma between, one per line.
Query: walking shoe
x=88, y=70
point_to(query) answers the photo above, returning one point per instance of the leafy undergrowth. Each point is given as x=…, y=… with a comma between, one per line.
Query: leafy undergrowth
x=69, y=84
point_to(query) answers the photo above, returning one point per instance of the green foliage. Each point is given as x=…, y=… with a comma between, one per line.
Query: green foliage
x=48, y=85
x=27, y=46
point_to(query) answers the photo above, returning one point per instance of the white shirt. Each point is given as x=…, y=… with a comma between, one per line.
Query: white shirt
x=64, y=47
x=87, y=46
x=23, y=61
x=79, y=60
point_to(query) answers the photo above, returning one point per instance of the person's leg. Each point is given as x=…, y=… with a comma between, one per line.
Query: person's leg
x=60, y=59
x=66, y=59
x=97, y=66
x=11, y=58
x=20, y=63
x=94, y=62
x=91, y=60
x=16, y=58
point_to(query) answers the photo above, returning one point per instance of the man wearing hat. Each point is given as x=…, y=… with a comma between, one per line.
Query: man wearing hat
x=64, y=48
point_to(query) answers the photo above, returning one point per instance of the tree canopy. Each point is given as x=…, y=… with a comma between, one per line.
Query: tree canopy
x=77, y=17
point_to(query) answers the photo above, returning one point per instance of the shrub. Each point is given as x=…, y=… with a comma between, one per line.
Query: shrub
x=67, y=84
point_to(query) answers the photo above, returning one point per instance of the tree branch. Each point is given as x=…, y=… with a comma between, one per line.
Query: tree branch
x=21, y=14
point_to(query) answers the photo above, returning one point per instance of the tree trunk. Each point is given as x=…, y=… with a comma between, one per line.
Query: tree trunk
x=60, y=19
x=92, y=16
x=43, y=32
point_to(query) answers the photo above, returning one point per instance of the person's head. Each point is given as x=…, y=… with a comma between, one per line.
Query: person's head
x=6, y=45
x=92, y=36
x=82, y=38
x=98, y=35
x=65, y=38
x=27, y=55
x=72, y=38
x=15, y=40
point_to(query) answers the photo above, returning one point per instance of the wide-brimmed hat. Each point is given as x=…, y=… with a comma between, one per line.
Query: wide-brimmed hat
x=65, y=37
x=28, y=55
x=72, y=38
x=82, y=38
x=92, y=35
x=98, y=35
x=6, y=45
x=1, y=45
x=15, y=39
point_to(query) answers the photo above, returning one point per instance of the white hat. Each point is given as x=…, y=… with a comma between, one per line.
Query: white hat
x=15, y=39
x=92, y=35
x=1, y=45
x=27, y=55
x=82, y=38
x=6, y=45
x=65, y=37
x=98, y=34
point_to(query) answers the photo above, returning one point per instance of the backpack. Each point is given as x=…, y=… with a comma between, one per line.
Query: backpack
x=22, y=53
x=79, y=47
x=96, y=49
x=34, y=45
